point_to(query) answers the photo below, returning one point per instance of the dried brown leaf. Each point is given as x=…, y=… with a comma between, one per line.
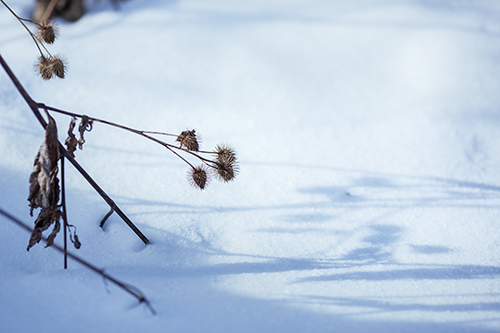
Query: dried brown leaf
x=43, y=169
x=44, y=186
x=53, y=234
x=85, y=125
x=45, y=218
x=76, y=242
x=71, y=140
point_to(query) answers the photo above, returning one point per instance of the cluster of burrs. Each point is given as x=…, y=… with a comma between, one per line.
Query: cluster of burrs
x=47, y=65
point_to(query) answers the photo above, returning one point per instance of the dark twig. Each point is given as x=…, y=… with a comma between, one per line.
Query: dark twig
x=106, y=217
x=128, y=288
x=64, y=214
x=34, y=107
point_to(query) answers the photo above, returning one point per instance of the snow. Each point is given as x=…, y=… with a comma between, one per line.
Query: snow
x=368, y=198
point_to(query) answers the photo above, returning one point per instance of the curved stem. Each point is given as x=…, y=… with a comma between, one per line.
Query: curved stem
x=27, y=29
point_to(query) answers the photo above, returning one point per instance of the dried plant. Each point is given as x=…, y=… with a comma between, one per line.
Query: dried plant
x=47, y=180
x=47, y=65
x=45, y=192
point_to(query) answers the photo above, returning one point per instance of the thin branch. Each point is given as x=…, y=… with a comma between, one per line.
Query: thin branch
x=128, y=288
x=106, y=217
x=64, y=214
x=138, y=132
x=159, y=133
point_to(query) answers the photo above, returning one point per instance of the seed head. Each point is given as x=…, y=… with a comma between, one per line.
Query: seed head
x=226, y=163
x=44, y=67
x=225, y=153
x=225, y=171
x=48, y=67
x=47, y=32
x=188, y=140
x=198, y=177
x=58, y=67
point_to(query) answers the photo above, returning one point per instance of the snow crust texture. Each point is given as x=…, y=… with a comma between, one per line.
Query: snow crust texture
x=368, y=199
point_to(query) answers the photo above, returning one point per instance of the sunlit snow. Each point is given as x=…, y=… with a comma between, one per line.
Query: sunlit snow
x=368, y=198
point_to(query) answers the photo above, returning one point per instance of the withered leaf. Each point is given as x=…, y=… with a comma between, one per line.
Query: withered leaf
x=44, y=186
x=45, y=218
x=71, y=140
x=76, y=242
x=53, y=234
x=73, y=236
x=43, y=169
x=86, y=124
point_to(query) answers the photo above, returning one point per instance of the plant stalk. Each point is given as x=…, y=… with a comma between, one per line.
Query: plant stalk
x=64, y=214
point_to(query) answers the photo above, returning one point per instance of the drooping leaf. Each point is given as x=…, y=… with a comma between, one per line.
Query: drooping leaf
x=44, y=165
x=71, y=140
x=44, y=186
x=85, y=125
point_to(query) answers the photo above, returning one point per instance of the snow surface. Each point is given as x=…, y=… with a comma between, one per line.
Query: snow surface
x=369, y=145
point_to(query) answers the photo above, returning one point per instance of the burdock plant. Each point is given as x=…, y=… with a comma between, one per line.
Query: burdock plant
x=47, y=190
x=47, y=180
x=221, y=162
